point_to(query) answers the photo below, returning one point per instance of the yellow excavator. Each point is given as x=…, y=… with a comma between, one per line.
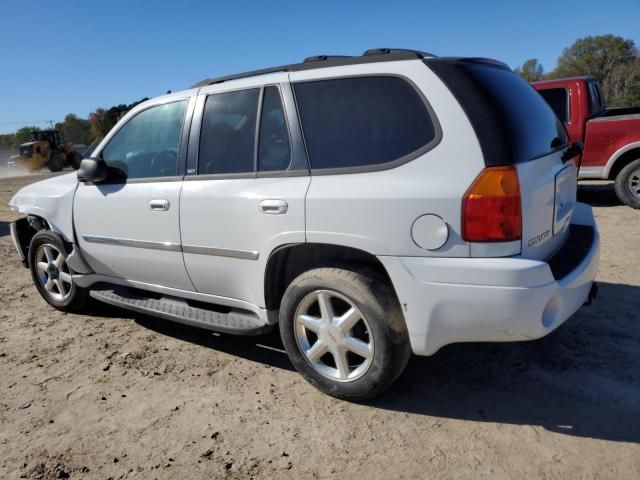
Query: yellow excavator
x=46, y=150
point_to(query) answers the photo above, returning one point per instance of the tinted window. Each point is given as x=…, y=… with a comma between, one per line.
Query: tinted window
x=148, y=144
x=597, y=101
x=525, y=120
x=558, y=99
x=274, y=152
x=353, y=122
x=228, y=132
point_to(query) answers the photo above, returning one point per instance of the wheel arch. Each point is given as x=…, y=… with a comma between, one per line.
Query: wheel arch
x=28, y=226
x=286, y=262
x=621, y=159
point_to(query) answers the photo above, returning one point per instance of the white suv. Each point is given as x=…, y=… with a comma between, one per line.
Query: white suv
x=372, y=206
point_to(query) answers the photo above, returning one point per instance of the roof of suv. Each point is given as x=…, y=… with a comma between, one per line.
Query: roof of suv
x=324, y=61
x=369, y=56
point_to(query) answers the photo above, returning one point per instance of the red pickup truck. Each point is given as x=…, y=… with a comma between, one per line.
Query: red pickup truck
x=610, y=137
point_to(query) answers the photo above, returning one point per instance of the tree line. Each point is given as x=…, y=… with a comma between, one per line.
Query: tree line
x=612, y=60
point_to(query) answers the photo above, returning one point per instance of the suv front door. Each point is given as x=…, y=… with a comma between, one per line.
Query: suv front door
x=128, y=226
x=245, y=188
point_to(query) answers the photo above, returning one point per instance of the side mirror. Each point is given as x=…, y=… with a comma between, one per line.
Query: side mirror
x=573, y=151
x=92, y=170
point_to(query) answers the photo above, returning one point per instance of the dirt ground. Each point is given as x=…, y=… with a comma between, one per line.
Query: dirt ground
x=113, y=394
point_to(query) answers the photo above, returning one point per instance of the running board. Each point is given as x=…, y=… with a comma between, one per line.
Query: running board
x=238, y=322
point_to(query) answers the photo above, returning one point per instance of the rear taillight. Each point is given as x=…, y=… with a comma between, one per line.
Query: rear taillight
x=491, y=210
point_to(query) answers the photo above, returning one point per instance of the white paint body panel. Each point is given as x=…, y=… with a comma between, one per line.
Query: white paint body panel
x=226, y=214
x=537, y=191
x=122, y=212
x=51, y=199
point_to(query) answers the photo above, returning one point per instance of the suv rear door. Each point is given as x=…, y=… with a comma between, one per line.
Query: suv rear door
x=246, y=181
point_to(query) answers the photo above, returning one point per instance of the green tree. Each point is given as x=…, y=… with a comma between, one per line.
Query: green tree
x=612, y=60
x=6, y=141
x=101, y=120
x=75, y=130
x=531, y=70
x=23, y=135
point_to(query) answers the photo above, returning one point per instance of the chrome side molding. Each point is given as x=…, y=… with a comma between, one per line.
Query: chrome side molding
x=172, y=247
x=125, y=242
x=220, y=252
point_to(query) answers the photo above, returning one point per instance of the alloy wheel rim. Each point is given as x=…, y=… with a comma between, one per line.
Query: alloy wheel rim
x=634, y=183
x=53, y=272
x=334, y=336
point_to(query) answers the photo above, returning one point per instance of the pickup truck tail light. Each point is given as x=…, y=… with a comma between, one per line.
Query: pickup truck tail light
x=491, y=208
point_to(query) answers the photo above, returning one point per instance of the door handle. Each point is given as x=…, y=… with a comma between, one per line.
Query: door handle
x=159, y=205
x=274, y=207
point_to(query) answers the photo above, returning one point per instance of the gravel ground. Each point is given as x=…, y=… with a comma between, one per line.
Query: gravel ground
x=113, y=394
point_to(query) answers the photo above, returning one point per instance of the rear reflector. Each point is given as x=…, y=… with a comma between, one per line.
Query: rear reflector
x=491, y=210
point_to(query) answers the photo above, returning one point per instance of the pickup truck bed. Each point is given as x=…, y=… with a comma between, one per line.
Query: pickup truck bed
x=611, y=136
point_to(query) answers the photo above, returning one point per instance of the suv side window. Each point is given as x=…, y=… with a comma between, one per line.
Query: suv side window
x=274, y=150
x=227, y=139
x=362, y=121
x=148, y=144
x=558, y=100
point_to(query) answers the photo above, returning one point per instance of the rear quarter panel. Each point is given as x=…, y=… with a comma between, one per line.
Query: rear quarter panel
x=375, y=211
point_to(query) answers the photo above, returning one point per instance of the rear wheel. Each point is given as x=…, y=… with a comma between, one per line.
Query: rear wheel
x=74, y=159
x=344, y=332
x=51, y=274
x=56, y=163
x=627, y=184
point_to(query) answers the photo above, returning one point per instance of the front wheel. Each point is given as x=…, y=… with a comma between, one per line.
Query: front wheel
x=56, y=163
x=51, y=274
x=627, y=184
x=344, y=332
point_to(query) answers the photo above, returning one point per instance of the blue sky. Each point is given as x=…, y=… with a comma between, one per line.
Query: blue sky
x=75, y=56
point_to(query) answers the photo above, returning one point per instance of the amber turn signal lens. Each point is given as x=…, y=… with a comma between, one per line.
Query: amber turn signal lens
x=491, y=208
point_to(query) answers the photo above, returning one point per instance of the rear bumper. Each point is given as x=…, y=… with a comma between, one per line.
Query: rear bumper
x=451, y=300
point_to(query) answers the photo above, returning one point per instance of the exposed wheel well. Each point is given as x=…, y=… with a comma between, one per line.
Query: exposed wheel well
x=622, y=161
x=27, y=227
x=289, y=261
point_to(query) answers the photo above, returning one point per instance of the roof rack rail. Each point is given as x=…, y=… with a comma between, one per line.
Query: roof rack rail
x=320, y=58
x=321, y=61
x=263, y=71
x=384, y=51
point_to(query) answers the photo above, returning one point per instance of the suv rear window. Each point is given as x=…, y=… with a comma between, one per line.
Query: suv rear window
x=558, y=100
x=362, y=121
x=512, y=121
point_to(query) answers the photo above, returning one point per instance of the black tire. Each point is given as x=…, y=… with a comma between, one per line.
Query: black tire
x=74, y=159
x=77, y=297
x=56, y=163
x=627, y=184
x=377, y=302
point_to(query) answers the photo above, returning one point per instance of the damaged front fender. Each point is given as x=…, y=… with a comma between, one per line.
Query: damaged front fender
x=51, y=200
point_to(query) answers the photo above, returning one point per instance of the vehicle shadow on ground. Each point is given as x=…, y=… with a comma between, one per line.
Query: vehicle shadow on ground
x=598, y=194
x=266, y=349
x=4, y=229
x=581, y=380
